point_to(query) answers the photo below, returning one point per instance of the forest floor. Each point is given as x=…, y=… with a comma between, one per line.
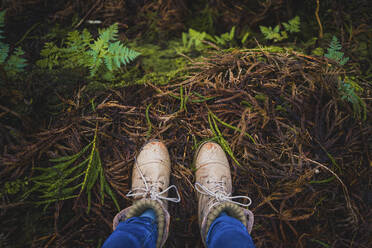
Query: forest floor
x=284, y=87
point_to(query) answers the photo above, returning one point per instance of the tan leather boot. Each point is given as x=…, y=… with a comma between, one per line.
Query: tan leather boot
x=150, y=186
x=214, y=188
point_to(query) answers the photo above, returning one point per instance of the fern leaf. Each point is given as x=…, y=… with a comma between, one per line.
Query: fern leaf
x=103, y=55
x=2, y=22
x=184, y=39
x=334, y=52
x=232, y=33
x=4, y=49
x=102, y=183
x=110, y=193
x=66, y=158
x=219, y=40
x=132, y=55
x=94, y=67
x=15, y=63
x=86, y=37
x=245, y=37
x=2, y=18
x=271, y=34
x=347, y=91
x=92, y=177
x=62, y=181
x=99, y=45
x=293, y=25
x=51, y=54
x=116, y=51
x=125, y=56
x=344, y=60
x=108, y=63
x=283, y=35
x=110, y=33
x=195, y=39
x=276, y=29
x=73, y=40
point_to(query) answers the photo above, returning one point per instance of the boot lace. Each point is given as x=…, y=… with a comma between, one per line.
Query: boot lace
x=151, y=190
x=218, y=192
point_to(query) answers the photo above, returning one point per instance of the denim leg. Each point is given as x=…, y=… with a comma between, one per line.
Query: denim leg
x=228, y=232
x=136, y=232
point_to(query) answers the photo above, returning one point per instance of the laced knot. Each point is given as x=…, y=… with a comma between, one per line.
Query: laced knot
x=218, y=191
x=151, y=190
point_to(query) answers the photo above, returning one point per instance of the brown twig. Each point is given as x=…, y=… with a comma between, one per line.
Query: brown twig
x=318, y=20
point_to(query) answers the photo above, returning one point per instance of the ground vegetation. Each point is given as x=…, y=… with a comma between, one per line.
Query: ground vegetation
x=284, y=87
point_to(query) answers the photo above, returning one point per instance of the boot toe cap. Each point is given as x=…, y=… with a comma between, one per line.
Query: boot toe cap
x=210, y=152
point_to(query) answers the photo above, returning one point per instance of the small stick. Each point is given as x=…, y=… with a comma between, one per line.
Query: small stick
x=318, y=20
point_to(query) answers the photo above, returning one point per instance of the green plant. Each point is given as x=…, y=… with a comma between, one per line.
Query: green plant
x=275, y=34
x=67, y=180
x=213, y=119
x=334, y=52
x=219, y=137
x=226, y=38
x=11, y=64
x=245, y=37
x=293, y=25
x=348, y=89
x=194, y=39
x=14, y=187
x=103, y=56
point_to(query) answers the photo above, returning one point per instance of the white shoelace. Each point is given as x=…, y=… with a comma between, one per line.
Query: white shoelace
x=152, y=190
x=220, y=194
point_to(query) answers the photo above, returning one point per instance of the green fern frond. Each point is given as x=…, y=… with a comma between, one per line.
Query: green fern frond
x=68, y=179
x=15, y=62
x=77, y=42
x=348, y=88
x=103, y=55
x=2, y=23
x=86, y=37
x=272, y=34
x=275, y=34
x=51, y=54
x=219, y=137
x=2, y=18
x=348, y=93
x=334, y=52
x=194, y=39
x=4, y=50
x=109, y=34
x=12, y=63
x=224, y=39
x=108, y=63
x=293, y=25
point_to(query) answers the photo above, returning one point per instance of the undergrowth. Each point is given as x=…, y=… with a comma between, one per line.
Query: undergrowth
x=104, y=62
x=334, y=52
x=11, y=63
x=71, y=176
x=103, y=56
x=348, y=88
x=276, y=34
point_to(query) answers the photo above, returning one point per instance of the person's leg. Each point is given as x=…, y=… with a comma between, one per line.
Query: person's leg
x=135, y=232
x=223, y=221
x=146, y=222
x=228, y=232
